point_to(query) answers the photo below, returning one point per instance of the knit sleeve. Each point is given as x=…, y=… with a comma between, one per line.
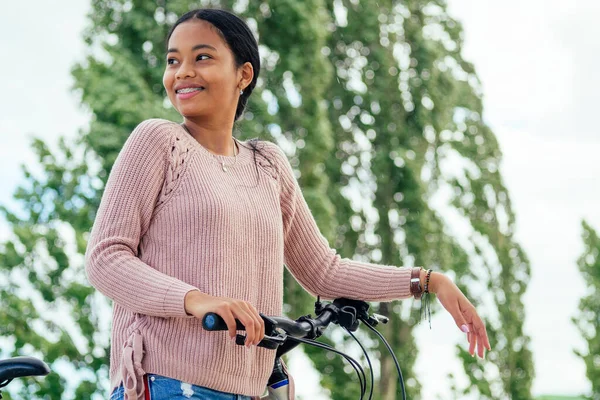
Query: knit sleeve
x=131, y=194
x=318, y=267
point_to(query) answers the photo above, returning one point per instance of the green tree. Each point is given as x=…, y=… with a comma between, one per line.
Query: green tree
x=409, y=110
x=48, y=308
x=369, y=100
x=588, y=319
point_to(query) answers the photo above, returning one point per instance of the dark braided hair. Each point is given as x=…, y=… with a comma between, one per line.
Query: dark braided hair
x=240, y=40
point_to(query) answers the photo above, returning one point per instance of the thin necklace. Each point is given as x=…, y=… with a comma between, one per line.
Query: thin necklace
x=223, y=166
x=234, y=157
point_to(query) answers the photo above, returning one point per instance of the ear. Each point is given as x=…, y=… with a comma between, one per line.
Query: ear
x=245, y=75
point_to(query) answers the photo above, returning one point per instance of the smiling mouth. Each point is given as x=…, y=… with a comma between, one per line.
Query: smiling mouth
x=189, y=90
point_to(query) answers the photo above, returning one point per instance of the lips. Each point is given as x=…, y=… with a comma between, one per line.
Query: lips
x=188, y=94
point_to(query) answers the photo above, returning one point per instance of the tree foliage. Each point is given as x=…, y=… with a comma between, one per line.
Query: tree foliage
x=588, y=319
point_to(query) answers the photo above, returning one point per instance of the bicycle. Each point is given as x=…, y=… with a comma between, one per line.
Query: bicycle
x=20, y=367
x=283, y=334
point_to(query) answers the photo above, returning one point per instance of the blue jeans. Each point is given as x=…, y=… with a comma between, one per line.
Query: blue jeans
x=163, y=388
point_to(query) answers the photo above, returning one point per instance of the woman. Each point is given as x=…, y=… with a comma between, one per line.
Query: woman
x=193, y=220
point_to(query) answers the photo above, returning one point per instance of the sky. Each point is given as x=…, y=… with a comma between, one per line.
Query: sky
x=537, y=61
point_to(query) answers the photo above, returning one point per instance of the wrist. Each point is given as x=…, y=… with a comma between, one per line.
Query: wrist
x=191, y=297
x=424, y=283
x=435, y=280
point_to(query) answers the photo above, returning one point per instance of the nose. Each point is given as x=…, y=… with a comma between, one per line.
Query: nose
x=185, y=70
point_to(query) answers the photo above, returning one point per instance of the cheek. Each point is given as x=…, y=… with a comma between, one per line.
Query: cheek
x=168, y=85
x=226, y=86
x=167, y=80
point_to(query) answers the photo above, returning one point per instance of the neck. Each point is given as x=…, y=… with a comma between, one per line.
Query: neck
x=213, y=138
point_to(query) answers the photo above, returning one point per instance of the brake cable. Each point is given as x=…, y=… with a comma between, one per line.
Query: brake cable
x=357, y=367
x=353, y=311
x=392, y=353
x=368, y=361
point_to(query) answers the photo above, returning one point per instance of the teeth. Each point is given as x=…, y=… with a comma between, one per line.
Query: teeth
x=188, y=90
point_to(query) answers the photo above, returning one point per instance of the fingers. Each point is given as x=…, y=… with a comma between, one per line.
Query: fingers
x=472, y=342
x=477, y=333
x=463, y=314
x=483, y=341
x=247, y=315
x=480, y=327
x=229, y=319
x=479, y=339
x=479, y=342
x=459, y=319
x=258, y=325
x=229, y=309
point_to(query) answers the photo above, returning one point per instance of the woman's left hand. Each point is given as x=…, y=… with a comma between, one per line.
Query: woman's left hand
x=464, y=313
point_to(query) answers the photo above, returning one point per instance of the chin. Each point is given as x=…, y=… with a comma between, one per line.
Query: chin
x=191, y=112
x=192, y=115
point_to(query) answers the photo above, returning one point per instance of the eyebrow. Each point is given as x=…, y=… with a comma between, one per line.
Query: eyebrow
x=196, y=47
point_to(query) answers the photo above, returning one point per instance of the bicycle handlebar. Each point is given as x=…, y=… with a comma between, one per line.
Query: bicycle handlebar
x=344, y=312
x=301, y=328
x=283, y=334
x=279, y=329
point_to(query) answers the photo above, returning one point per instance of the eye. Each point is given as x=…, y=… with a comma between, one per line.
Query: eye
x=200, y=57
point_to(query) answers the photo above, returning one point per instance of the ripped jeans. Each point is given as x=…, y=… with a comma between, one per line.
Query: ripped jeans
x=160, y=387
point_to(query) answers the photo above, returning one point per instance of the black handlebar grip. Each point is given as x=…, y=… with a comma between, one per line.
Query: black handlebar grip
x=213, y=322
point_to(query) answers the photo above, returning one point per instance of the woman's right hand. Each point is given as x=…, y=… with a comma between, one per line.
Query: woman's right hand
x=199, y=304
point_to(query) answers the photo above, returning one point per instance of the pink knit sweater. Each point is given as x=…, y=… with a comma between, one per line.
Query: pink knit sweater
x=171, y=220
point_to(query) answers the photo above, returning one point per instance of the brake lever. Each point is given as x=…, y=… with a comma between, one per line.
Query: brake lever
x=268, y=342
x=376, y=319
x=272, y=339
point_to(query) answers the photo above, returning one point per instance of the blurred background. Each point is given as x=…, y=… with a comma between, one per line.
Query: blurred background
x=465, y=136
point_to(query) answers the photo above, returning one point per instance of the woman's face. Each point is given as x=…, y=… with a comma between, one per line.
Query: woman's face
x=198, y=58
